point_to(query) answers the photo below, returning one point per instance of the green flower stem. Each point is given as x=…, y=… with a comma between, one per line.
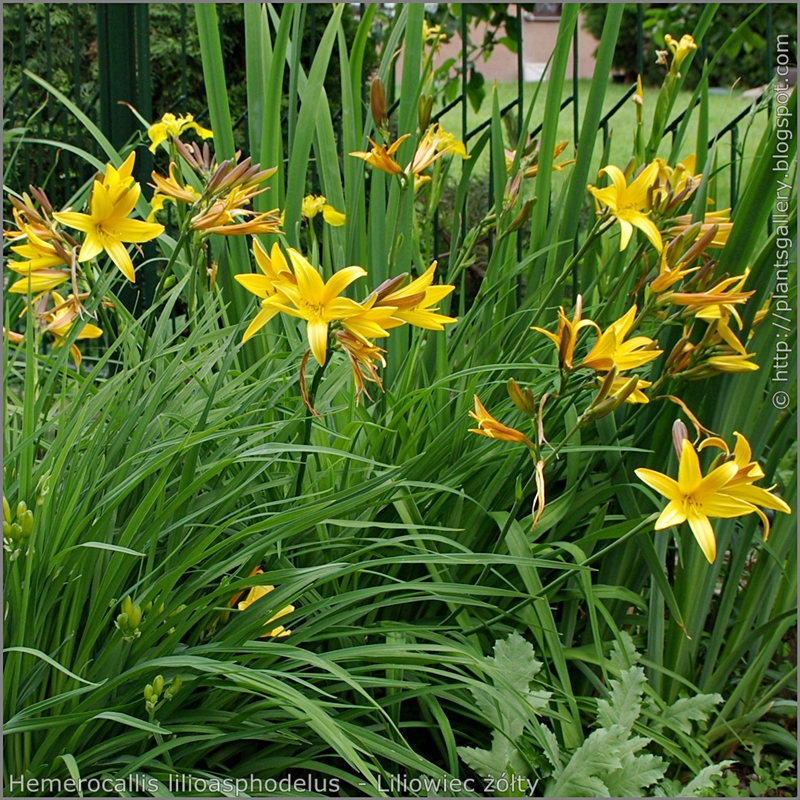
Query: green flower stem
x=567, y=269
x=312, y=396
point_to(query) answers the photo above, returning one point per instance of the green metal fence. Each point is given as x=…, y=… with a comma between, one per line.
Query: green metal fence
x=41, y=138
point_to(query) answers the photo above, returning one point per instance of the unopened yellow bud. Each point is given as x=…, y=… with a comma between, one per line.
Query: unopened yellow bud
x=26, y=522
x=377, y=103
x=522, y=216
x=21, y=508
x=424, y=108
x=158, y=684
x=126, y=605
x=148, y=693
x=6, y=511
x=122, y=620
x=135, y=617
x=522, y=398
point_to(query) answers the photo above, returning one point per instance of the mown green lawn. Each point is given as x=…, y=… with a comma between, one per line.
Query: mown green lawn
x=723, y=107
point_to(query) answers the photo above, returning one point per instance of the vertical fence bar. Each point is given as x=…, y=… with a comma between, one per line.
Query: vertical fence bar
x=520, y=72
x=769, y=75
x=48, y=74
x=463, y=276
x=576, y=135
x=576, y=128
x=639, y=38
x=734, y=144
x=23, y=60
x=80, y=165
x=184, y=67
x=520, y=111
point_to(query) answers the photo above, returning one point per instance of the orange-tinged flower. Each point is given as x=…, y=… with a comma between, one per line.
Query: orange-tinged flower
x=627, y=204
x=413, y=302
x=229, y=215
x=566, y=335
x=363, y=356
x=748, y=472
x=40, y=258
x=719, y=218
x=636, y=396
x=611, y=349
x=380, y=156
x=695, y=498
x=60, y=319
x=489, y=426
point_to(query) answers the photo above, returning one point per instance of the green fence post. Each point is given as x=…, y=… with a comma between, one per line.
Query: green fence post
x=122, y=34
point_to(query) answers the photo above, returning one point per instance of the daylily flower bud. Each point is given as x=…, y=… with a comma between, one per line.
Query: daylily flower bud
x=148, y=693
x=135, y=617
x=6, y=510
x=522, y=216
x=22, y=507
x=522, y=399
x=606, y=386
x=679, y=433
x=6, y=530
x=122, y=620
x=26, y=523
x=704, y=241
x=377, y=103
x=126, y=605
x=424, y=107
x=158, y=684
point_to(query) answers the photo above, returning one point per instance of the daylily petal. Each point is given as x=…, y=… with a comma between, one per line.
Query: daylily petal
x=339, y=281
x=673, y=514
x=119, y=255
x=704, y=533
x=663, y=484
x=259, y=321
x=317, y=332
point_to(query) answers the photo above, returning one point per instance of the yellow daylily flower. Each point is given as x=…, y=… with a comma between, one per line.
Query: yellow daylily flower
x=363, y=356
x=229, y=215
x=621, y=383
x=748, y=472
x=566, y=335
x=317, y=302
x=40, y=258
x=413, y=302
x=61, y=318
x=256, y=593
x=669, y=276
x=314, y=204
x=733, y=364
x=372, y=322
x=380, y=156
x=611, y=349
x=107, y=226
x=490, y=427
x=275, y=272
x=680, y=50
x=627, y=204
x=695, y=498
x=719, y=218
x=170, y=189
x=169, y=125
